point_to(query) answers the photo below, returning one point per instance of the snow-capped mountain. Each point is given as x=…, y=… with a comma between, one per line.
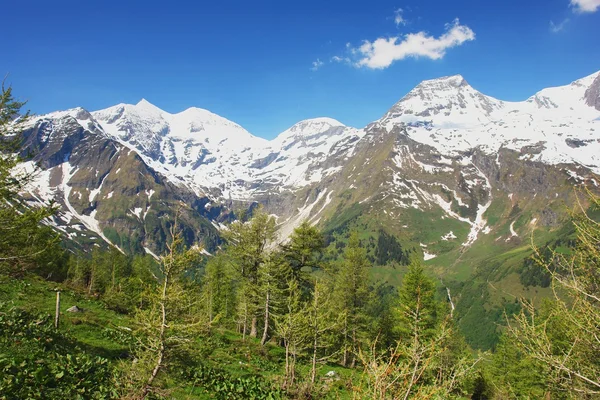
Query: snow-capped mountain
x=194, y=146
x=560, y=125
x=434, y=133
x=211, y=154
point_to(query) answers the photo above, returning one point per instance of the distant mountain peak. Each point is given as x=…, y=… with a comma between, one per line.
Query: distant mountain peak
x=450, y=80
x=308, y=128
x=145, y=105
x=319, y=121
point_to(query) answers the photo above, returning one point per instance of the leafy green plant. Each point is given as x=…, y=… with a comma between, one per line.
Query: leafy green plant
x=36, y=361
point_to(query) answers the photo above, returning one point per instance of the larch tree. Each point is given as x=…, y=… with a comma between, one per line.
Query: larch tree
x=564, y=335
x=218, y=290
x=170, y=318
x=351, y=293
x=25, y=244
x=248, y=248
x=303, y=251
x=429, y=360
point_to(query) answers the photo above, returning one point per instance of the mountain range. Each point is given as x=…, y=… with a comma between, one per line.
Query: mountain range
x=451, y=175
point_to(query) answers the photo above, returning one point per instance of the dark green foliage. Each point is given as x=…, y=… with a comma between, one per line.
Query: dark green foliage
x=389, y=249
x=218, y=288
x=222, y=385
x=418, y=309
x=38, y=362
x=381, y=308
x=117, y=279
x=511, y=374
x=304, y=249
x=532, y=275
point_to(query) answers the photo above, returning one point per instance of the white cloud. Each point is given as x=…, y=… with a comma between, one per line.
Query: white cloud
x=555, y=28
x=584, y=6
x=382, y=52
x=316, y=65
x=339, y=59
x=399, y=18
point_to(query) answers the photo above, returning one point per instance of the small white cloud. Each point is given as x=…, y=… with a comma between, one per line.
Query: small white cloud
x=555, y=28
x=382, y=52
x=316, y=65
x=399, y=18
x=585, y=6
x=339, y=59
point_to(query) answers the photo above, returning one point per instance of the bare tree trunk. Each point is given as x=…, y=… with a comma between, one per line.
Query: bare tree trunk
x=91, y=282
x=313, y=372
x=245, y=327
x=161, y=336
x=293, y=371
x=345, y=359
x=287, y=364
x=254, y=327
x=57, y=313
x=266, y=329
x=353, y=363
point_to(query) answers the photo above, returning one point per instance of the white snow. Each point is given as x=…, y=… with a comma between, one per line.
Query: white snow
x=94, y=192
x=533, y=221
x=449, y=236
x=428, y=256
x=512, y=229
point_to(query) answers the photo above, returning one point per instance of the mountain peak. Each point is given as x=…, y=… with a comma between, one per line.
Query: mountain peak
x=144, y=104
x=310, y=127
x=448, y=81
x=321, y=121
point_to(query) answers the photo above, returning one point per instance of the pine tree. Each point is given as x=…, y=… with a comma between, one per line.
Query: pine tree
x=321, y=324
x=290, y=326
x=271, y=276
x=430, y=360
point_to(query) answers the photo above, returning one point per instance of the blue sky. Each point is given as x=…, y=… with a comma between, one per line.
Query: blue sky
x=269, y=64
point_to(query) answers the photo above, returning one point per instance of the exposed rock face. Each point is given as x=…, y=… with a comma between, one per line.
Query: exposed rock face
x=592, y=94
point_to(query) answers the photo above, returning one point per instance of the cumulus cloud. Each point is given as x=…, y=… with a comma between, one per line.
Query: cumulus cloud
x=316, y=65
x=585, y=6
x=399, y=18
x=555, y=28
x=382, y=52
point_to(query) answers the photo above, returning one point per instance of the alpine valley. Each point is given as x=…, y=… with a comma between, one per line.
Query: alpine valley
x=461, y=179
